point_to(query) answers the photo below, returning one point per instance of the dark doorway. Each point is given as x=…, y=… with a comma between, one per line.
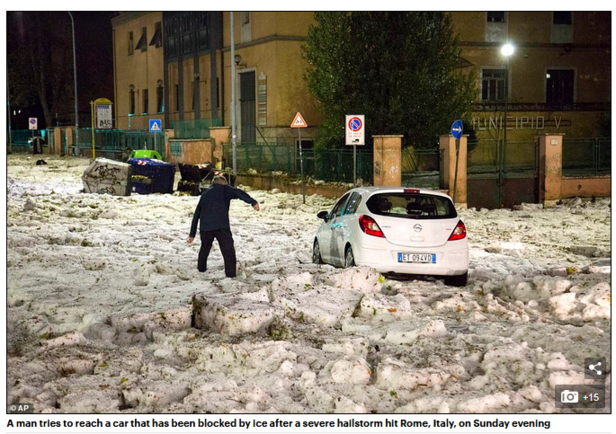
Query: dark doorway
x=247, y=107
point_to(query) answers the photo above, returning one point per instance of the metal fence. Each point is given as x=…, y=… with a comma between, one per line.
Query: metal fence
x=194, y=128
x=116, y=141
x=420, y=168
x=326, y=165
x=587, y=157
x=19, y=139
x=515, y=158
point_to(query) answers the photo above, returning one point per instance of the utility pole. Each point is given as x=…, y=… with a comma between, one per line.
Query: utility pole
x=233, y=135
x=75, y=80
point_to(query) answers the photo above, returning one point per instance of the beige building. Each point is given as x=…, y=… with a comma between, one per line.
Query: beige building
x=177, y=66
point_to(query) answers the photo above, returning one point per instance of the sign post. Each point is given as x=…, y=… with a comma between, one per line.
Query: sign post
x=101, y=119
x=32, y=125
x=456, y=131
x=355, y=135
x=155, y=127
x=300, y=123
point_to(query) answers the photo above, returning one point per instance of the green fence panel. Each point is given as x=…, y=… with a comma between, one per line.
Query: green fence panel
x=587, y=157
x=327, y=165
x=194, y=128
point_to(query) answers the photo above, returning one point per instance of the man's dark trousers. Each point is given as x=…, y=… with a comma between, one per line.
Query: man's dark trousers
x=225, y=241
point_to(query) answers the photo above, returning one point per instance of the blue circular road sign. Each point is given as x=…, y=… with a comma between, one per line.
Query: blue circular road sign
x=456, y=129
x=355, y=124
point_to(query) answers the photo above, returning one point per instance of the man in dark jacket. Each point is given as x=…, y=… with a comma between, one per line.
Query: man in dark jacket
x=213, y=214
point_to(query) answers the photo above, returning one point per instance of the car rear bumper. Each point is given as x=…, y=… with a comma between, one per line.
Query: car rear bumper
x=450, y=261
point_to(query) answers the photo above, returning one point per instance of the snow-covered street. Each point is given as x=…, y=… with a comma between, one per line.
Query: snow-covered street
x=108, y=313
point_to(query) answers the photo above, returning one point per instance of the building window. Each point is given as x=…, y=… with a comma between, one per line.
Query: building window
x=193, y=89
x=493, y=85
x=143, y=40
x=496, y=17
x=496, y=27
x=177, y=97
x=246, y=28
x=146, y=101
x=157, y=39
x=202, y=31
x=562, y=27
x=562, y=18
x=131, y=46
x=559, y=86
x=131, y=99
x=160, y=107
x=217, y=92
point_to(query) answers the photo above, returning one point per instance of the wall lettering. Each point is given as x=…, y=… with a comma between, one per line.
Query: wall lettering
x=516, y=123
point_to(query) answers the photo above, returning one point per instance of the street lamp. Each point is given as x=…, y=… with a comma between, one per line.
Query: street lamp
x=506, y=50
x=75, y=79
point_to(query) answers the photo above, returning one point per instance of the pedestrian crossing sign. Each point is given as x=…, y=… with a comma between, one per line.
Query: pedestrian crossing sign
x=155, y=126
x=299, y=121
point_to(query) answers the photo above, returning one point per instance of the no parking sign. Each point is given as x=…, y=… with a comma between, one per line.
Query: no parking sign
x=32, y=123
x=354, y=129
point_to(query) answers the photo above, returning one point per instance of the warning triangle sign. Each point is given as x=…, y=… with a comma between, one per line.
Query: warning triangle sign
x=299, y=121
x=155, y=127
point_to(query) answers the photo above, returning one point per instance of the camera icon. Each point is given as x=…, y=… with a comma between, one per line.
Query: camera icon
x=569, y=397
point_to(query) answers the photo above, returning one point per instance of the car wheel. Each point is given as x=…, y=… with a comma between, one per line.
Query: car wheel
x=349, y=259
x=316, y=253
x=460, y=280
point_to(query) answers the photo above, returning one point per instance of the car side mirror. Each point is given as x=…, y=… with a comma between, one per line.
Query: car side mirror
x=322, y=215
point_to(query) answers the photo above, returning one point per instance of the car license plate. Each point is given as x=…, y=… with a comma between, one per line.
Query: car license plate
x=422, y=258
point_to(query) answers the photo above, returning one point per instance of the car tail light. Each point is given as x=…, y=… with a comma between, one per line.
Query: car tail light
x=459, y=232
x=369, y=226
x=411, y=190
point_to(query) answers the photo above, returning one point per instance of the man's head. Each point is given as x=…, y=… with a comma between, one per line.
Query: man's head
x=220, y=180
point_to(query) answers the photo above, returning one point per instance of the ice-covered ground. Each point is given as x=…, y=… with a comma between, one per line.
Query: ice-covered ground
x=107, y=312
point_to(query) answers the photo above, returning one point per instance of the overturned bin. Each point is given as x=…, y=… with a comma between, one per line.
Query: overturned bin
x=107, y=176
x=151, y=176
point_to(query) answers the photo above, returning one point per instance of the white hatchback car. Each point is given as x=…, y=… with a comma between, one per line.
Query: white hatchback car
x=395, y=230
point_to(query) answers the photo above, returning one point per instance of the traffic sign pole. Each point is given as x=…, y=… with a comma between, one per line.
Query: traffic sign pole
x=456, y=132
x=354, y=166
x=301, y=165
x=299, y=123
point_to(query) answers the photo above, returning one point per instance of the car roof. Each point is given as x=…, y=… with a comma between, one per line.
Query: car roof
x=387, y=189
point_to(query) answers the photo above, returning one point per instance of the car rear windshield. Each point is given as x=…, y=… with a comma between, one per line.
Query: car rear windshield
x=411, y=205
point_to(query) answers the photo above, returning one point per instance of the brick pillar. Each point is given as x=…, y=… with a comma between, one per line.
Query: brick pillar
x=387, y=160
x=169, y=134
x=69, y=141
x=550, y=168
x=447, y=146
x=57, y=141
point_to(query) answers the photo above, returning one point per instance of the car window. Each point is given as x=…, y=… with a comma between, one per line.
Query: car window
x=411, y=205
x=337, y=209
x=353, y=203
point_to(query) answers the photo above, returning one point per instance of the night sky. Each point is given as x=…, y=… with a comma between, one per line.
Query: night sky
x=94, y=58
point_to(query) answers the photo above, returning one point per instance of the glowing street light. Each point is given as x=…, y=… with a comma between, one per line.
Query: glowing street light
x=507, y=50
